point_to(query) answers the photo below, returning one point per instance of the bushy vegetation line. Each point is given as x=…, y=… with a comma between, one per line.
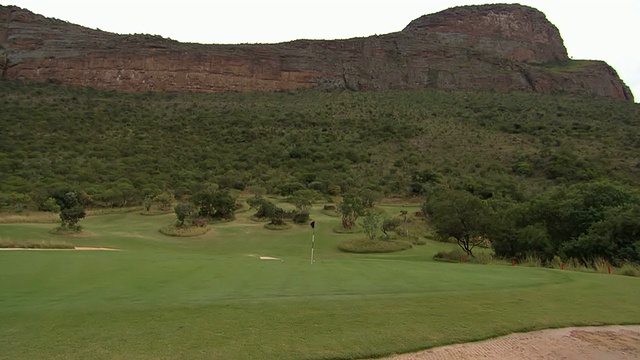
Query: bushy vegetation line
x=591, y=224
x=122, y=148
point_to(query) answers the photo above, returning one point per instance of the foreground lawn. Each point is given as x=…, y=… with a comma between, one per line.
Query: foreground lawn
x=212, y=296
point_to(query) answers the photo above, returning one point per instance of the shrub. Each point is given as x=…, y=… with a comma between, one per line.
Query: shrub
x=301, y=217
x=367, y=246
x=629, y=270
x=66, y=230
x=191, y=231
x=283, y=226
x=450, y=256
x=531, y=261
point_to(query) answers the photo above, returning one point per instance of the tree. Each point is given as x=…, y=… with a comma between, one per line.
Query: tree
x=71, y=203
x=370, y=225
x=147, y=202
x=276, y=214
x=183, y=210
x=458, y=215
x=267, y=209
x=370, y=198
x=18, y=202
x=390, y=224
x=215, y=204
x=569, y=212
x=50, y=205
x=256, y=202
x=164, y=200
x=303, y=199
x=225, y=205
x=616, y=238
x=351, y=208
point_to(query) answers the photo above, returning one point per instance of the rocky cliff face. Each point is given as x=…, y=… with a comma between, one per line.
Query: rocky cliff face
x=490, y=47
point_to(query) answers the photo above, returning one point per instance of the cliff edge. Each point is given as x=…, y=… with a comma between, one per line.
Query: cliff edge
x=487, y=47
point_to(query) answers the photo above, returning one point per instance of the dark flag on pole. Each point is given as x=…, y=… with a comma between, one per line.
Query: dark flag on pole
x=313, y=238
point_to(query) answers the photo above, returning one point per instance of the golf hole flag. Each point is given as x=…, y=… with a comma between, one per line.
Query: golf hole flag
x=313, y=238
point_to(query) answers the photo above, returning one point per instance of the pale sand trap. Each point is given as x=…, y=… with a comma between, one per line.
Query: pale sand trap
x=579, y=343
x=262, y=257
x=76, y=248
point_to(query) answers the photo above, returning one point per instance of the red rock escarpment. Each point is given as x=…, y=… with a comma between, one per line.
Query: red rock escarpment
x=489, y=47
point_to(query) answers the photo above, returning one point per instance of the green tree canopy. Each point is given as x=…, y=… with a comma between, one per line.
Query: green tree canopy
x=459, y=215
x=350, y=208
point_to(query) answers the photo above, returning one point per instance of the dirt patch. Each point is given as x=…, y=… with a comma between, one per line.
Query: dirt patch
x=583, y=343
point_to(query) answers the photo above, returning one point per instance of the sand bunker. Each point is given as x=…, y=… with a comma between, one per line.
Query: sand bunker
x=581, y=343
x=262, y=257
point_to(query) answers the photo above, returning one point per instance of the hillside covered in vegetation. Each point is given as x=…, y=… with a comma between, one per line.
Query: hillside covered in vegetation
x=538, y=174
x=120, y=147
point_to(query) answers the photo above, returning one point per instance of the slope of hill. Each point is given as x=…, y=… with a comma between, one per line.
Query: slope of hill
x=479, y=48
x=120, y=146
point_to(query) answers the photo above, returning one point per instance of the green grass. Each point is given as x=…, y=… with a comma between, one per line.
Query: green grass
x=211, y=297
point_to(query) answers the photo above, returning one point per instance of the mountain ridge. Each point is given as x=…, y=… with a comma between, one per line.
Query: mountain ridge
x=477, y=48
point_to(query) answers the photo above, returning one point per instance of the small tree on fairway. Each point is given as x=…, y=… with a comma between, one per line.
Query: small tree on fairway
x=147, y=202
x=215, y=204
x=390, y=225
x=71, y=204
x=255, y=202
x=164, y=200
x=370, y=225
x=303, y=199
x=183, y=210
x=351, y=208
x=276, y=214
x=458, y=215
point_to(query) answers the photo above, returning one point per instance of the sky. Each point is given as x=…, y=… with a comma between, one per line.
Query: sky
x=606, y=30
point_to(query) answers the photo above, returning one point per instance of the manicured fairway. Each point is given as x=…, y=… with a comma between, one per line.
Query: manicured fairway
x=212, y=297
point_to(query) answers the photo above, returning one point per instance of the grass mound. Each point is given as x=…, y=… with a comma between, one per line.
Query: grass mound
x=366, y=246
x=184, y=231
x=6, y=244
x=277, y=227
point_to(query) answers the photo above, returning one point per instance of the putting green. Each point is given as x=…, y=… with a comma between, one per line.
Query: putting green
x=212, y=296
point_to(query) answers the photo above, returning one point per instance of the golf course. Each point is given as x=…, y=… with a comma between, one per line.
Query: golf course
x=241, y=291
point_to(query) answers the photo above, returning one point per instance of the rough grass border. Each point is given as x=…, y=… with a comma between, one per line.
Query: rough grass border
x=191, y=231
x=368, y=246
x=7, y=244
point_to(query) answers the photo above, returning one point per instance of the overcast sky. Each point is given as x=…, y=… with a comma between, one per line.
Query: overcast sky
x=592, y=29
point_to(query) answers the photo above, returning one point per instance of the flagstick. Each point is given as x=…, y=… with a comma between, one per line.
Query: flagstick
x=313, y=240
